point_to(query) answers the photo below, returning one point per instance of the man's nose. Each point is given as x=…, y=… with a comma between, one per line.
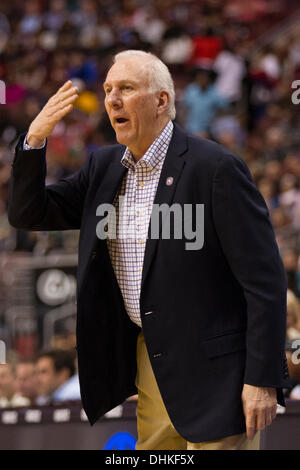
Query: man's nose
x=114, y=99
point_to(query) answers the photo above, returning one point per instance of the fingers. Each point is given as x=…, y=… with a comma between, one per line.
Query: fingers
x=62, y=102
x=65, y=86
x=60, y=97
x=62, y=112
x=250, y=425
x=261, y=419
x=65, y=93
x=63, y=107
x=259, y=406
x=55, y=109
x=258, y=419
x=268, y=417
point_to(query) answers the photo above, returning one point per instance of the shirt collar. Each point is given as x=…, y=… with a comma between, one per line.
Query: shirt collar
x=155, y=153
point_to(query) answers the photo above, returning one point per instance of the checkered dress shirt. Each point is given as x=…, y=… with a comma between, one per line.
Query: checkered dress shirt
x=127, y=232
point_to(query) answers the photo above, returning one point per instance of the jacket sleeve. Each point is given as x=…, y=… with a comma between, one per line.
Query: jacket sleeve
x=34, y=206
x=246, y=235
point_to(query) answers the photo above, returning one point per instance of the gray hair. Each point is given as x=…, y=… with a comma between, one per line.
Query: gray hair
x=159, y=76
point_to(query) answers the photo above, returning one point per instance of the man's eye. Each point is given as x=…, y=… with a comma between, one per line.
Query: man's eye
x=127, y=87
x=107, y=91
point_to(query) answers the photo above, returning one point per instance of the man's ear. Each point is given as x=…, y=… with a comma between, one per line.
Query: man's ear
x=163, y=101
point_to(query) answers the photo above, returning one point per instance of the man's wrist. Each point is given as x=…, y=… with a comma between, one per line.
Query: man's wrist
x=34, y=142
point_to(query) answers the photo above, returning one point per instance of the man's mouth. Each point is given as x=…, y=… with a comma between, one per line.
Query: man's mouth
x=121, y=121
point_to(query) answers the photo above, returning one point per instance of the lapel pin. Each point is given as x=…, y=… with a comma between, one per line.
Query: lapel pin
x=169, y=181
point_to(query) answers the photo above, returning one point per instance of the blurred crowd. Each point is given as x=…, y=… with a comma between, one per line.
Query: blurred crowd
x=49, y=379
x=233, y=64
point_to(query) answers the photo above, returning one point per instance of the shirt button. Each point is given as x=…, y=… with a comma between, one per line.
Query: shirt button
x=141, y=184
x=141, y=241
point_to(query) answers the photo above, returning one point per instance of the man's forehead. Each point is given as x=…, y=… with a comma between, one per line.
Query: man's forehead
x=45, y=361
x=24, y=366
x=129, y=68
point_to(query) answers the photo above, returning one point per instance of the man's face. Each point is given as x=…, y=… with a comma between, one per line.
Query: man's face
x=47, y=381
x=7, y=381
x=131, y=106
x=202, y=78
x=26, y=380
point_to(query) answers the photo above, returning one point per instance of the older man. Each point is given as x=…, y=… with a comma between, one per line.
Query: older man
x=198, y=331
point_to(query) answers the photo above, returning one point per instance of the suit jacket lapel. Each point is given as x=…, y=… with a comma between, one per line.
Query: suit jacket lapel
x=111, y=183
x=105, y=194
x=172, y=167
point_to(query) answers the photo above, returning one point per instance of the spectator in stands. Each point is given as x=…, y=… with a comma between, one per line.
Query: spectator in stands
x=176, y=46
x=269, y=63
x=293, y=342
x=293, y=316
x=287, y=236
x=273, y=171
x=54, y=368
x=26, y=382
x=32, y=20
x=275, y=144
x=9, y=397
x=70, y=390
x=266, y=187
x=289, y=197
x=7, y=239
x=206, y=48
x=291, y=263
x=202, y=101
x=231, y=70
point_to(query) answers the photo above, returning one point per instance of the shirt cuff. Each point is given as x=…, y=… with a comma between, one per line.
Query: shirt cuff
x=27, y=147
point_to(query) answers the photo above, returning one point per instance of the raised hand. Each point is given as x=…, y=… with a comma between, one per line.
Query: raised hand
x=54, y=110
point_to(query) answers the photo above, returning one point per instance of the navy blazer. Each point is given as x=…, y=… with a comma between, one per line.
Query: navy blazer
x=217, y=315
